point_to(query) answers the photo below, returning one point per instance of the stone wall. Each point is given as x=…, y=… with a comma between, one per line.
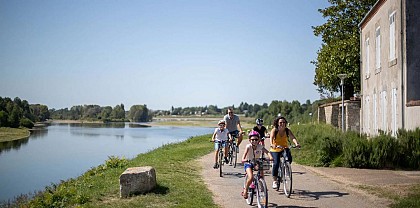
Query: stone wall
x=330, y=113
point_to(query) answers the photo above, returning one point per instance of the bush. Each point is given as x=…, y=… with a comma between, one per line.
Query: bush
x=25, y=122
x=356, y=152
x=409, y=148
x=384, y=152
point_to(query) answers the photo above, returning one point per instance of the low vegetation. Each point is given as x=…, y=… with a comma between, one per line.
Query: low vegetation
x=10, y=134
x=325, y=145
x=178, y=177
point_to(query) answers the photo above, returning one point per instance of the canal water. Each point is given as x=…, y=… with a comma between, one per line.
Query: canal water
x=63, y=151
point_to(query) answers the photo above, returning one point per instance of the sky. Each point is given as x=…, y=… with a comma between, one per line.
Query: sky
x=161, y=53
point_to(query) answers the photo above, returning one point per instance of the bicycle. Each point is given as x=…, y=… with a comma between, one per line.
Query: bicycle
x=285, y=173
x=233, y=151
x=220, y=156
x=258, y=186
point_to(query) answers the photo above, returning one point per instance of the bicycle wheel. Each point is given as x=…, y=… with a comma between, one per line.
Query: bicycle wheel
x=287, y=179
x=220, y=162
x=234, y=155
x=250, y=193
x=262, y=194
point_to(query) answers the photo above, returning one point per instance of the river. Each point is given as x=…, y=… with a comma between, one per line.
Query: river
x=63, y=151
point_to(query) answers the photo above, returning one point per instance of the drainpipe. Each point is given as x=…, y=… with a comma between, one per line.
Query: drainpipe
x=361, y=83
x=402, y=65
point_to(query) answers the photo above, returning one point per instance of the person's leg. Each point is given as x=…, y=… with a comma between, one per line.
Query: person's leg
x=239, y=139
x=226, y=152
x=289, y=155
x=248, y=181
x=275, y=169
x=216, y=153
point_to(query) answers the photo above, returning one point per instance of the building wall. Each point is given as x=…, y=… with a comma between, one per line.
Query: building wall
x=381, y=86
x=391, y=93
x=331, y=114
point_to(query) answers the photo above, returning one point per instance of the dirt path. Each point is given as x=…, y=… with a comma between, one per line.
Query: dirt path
x=310, y=189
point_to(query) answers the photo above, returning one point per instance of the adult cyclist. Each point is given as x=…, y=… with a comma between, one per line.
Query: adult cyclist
x=234, y=125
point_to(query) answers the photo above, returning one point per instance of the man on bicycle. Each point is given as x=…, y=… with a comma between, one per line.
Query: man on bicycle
x=221, y=135
x=234, y=125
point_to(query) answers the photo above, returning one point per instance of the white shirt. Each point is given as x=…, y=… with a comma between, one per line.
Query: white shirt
x=221, y=136
x=257, y=153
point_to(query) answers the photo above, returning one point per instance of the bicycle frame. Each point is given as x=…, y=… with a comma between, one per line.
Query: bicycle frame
x=285, y=173
x=258, y=186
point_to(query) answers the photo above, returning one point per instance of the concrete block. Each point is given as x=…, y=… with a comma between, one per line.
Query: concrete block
x=137, y=180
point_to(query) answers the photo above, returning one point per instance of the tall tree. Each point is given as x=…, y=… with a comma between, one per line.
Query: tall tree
x=340, y=50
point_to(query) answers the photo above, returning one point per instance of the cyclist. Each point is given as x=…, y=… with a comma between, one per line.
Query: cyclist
x=220, y=134
x=279, y=137
x=260, y=128
x=234, y=125
x=252, y=151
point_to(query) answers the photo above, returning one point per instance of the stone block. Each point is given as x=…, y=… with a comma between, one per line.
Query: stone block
x=137, y=180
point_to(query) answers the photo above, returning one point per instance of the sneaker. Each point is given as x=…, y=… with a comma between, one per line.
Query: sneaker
x=275, y=185
x=226, y=160
x=215, y=166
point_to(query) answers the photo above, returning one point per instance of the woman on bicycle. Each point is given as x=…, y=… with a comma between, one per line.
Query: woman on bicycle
x=222, y=135
x=279, y=137
x=260, y=128
x=253, y=151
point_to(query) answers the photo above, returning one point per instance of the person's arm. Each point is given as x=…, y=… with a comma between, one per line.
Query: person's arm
x=214, y=135
x=272, y=135
x=244, y=156
x=239, y=126
x=292, y=136
x=268, y=153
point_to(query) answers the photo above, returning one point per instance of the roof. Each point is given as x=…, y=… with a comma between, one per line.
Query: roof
x=371, y=13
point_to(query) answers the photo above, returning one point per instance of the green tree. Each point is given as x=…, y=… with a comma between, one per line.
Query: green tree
x=118, y=112
x=339, y=51
x=139, y=113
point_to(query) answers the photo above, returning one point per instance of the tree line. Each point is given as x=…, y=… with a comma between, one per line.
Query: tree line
x=294, y=111
x=137, y=113
x=15, y=113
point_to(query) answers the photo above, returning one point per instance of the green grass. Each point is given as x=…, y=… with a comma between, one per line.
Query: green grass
x=179, y=183
x=412, y=200
x=10, y=134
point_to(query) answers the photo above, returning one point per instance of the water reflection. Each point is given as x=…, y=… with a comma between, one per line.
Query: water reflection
x=15, y=145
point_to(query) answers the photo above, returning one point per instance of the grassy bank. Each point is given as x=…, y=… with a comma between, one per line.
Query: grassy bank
x=10, y=134
x=178, y=178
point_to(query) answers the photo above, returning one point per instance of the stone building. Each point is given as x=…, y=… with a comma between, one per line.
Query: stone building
x=390, y=67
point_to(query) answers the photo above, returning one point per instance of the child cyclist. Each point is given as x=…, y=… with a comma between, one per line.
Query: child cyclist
x=260, y=128
x=220, y=134
x=253, y=151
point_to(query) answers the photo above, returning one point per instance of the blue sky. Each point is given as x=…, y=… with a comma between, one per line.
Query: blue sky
x=179, y=53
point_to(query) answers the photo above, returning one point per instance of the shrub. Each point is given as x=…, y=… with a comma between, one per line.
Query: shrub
x=409, y=148
x=384, y=152
x=356, y=152
x=25, y=122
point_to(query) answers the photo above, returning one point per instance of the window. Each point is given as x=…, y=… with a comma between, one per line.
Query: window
x=367, y=57
x=378, y=48
x=392, y=55
x=375, y=114
x=394, y=112
x=367, y=114
x=384, y=111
